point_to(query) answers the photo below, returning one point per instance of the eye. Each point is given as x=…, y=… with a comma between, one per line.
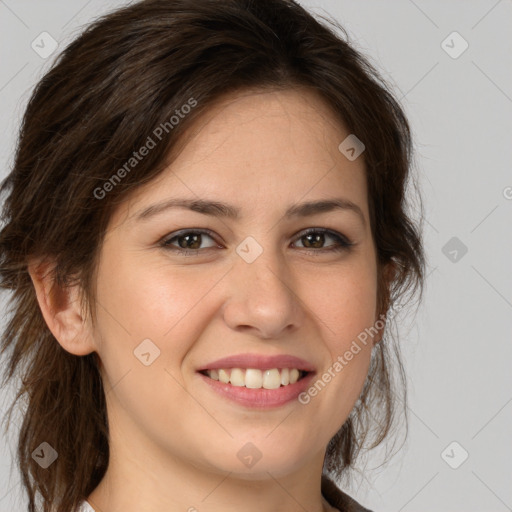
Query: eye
x=314, y=237
x=189, y=241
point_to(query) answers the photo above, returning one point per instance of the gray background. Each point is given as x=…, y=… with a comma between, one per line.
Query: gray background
x=457, y=349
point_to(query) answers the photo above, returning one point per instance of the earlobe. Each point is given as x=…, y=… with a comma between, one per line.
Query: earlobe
x=61, y=309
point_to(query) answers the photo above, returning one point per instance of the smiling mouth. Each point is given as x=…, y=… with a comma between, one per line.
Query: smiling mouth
x=255, y=378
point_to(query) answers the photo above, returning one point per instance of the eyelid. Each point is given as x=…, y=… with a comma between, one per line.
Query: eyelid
x=344, y=243
x=335, y=234
x=175, y=234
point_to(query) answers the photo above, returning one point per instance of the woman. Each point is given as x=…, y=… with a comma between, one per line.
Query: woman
x=205, y=227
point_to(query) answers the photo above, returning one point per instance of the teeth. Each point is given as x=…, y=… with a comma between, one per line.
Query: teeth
x=224, y=376
x=254, y=378
x=271, y=379
x=237, y=377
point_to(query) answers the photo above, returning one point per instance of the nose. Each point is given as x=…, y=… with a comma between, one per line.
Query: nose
x=262, y=299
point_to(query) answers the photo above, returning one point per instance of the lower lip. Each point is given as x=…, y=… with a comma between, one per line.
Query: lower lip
x=260, y=398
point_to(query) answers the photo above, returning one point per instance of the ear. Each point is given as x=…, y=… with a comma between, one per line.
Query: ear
x=60, y=306
x=388, y=274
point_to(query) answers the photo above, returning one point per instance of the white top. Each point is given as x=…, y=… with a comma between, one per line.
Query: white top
x=85, y=507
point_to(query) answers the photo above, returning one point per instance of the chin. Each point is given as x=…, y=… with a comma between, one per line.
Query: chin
x=254, y=461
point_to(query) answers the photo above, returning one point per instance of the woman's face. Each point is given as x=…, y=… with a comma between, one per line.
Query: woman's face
x=254, y=284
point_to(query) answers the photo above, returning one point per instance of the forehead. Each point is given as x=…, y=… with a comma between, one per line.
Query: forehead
x=257, y=148
x=254, y=124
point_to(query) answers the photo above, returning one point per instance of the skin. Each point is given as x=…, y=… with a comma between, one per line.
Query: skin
x=174, y=442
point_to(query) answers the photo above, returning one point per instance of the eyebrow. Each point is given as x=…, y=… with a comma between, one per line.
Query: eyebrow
x=218, y=209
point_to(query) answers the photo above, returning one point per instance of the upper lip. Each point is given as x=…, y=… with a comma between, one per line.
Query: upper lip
x=259, y=361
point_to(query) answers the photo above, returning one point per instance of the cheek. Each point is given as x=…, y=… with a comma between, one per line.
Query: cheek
x=344, y=306
x=148, y=318
x=140, y=300
x=344, y=302
x=135, y=294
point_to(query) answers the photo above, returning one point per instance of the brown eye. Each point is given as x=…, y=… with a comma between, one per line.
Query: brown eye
x=315, y=238
x=187, y=241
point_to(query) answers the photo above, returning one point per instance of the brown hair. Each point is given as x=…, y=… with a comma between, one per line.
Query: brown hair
x=107, y=92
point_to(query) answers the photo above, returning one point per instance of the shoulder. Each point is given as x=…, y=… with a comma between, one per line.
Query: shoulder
x=338, y=499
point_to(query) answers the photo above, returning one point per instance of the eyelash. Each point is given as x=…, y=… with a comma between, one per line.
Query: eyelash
x=344, y=244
